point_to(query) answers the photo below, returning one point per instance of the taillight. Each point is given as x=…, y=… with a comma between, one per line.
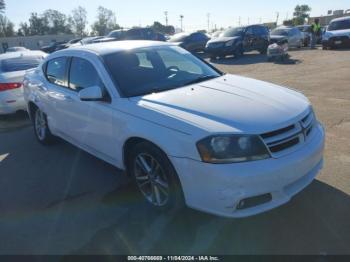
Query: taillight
x=9, y=86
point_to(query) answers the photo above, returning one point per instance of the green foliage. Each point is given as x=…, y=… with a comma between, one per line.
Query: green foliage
x=301, y=13
x=78, y=21
x=6, y=27
x=163, y=29
x=57, y=22
x=2, y=6
x=106, y=22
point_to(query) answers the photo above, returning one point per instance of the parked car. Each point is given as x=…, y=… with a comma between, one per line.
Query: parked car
x=185, y=132
x=216, y=34
x=16, y=49
x=292, y=34
x=13, y=66
x=52, y=47
x=132, y=34
x=236, y=41
x=86, y=41
x=306, y=33
x=68, y=44
x=193, y=42
x=337, y=34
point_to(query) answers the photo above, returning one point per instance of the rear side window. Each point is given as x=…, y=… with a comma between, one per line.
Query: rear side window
x=20, y=63
x=56, y=71
x=82, y=74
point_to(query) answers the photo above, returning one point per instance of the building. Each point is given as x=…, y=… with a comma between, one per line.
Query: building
x=32, y=42
x=325, y=20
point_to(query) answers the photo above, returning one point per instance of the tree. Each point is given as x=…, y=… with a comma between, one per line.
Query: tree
x=301, y=12
x=38, y=25
x=56, y=22
x=106, y=22
x=78, y=21
x=23, y=30
x=2, y=6
x=6, y=27
x=158, y=27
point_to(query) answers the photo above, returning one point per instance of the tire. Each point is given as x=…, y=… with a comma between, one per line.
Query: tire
x=155, y=177
x=41, y=128
x=213, y=57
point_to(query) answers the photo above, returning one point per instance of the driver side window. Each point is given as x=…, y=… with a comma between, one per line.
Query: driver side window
x=82, y=75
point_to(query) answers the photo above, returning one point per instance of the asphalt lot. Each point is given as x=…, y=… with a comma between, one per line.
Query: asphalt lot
x=59, y=200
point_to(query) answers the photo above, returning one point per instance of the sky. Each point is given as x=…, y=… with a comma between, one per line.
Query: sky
x=223, y=13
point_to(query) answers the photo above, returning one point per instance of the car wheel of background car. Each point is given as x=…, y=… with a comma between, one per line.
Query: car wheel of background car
x=41, y=128
x=155, y=177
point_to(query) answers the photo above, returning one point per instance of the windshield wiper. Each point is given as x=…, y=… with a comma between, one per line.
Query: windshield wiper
x=200, y=79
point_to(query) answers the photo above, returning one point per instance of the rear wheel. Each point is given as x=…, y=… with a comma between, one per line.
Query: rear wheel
x=41, y=128
x=155, y=177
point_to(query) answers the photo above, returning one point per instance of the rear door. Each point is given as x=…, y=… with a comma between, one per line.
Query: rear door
x=56, y=94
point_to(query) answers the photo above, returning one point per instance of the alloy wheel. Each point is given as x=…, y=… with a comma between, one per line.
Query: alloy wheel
x=151, y=180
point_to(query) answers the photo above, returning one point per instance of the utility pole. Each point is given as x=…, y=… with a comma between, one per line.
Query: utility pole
x=277, y=18
x=239, y=21
x=166, y=18
x=248, y=21
x=181, y=20
x=208, y=20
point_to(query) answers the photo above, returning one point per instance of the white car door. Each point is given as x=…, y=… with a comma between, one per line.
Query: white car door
x=90, y=122
x=57, y=95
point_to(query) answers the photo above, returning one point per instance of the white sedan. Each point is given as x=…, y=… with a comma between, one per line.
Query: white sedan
x=13, y=66
x=185, y=132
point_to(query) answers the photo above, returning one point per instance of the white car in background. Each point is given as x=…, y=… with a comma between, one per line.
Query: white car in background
x=337, y=34
x=13, y=66
x=16, y=49
x=185, y=132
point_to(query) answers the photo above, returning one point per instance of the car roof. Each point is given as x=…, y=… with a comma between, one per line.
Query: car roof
x=117, y=46
x=21, y=54
x=341, y=19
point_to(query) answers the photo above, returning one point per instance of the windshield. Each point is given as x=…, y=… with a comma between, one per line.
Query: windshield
x=178, y=37
x=280, y=32
x=156, y=69
x=20, y=63
x=115, y=34
x=233, y=32
x=339, y=25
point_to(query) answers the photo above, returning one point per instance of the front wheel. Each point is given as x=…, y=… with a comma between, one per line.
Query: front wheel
x=155, y=177
x=41, y=128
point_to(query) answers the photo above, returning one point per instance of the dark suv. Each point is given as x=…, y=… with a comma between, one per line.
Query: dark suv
x=236, y=41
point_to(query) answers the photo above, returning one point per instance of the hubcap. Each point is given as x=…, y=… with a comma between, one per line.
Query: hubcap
x=40, y=124
x=151, y=180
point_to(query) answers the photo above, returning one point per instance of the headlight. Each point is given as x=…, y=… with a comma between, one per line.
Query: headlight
x=230, y=43
x=225, y=149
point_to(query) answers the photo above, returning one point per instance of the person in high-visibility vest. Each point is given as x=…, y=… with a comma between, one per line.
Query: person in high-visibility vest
x=315, y=32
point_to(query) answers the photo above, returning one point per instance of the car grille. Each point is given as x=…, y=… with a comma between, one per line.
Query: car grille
x=285, y=139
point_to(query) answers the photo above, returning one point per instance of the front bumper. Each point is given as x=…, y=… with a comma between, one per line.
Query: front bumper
x=221, y=50
x=219, y=189
x=336, y=42
x=12, y=101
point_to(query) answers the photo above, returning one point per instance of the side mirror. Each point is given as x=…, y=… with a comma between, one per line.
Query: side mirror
x=93, y=93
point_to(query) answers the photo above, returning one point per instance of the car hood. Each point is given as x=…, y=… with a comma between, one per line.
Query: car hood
x=226, y=104
x=223, y=39
x=278, y=37
x=339, y=32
